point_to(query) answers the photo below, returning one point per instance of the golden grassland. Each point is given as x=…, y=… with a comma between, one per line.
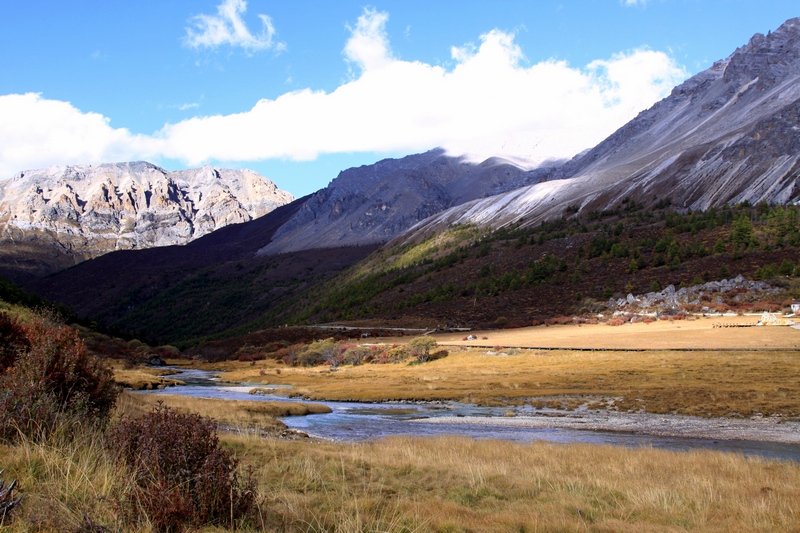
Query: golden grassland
x=259, y=415
x=698, y=333
x=707, y=383
x=141, y=377
x=445, y=484
x=459, y=484
x=456, y=484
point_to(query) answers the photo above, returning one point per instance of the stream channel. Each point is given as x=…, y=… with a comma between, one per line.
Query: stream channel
x=351, y=421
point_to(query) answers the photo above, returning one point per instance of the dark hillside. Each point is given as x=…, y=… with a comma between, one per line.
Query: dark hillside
x=516, y=277
x=213, y=284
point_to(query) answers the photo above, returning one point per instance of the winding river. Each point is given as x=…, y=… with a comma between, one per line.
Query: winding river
x=351, y=421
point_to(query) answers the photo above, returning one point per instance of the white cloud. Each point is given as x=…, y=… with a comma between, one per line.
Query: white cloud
x=490, y=103
x=186, y=107
x=36, y=132
x=368, y=46
x=633, y=3
x=228, y=28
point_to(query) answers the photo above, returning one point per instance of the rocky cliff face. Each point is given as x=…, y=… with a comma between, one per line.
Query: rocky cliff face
x=373, y=203
x=727, y=135
x=54, y=217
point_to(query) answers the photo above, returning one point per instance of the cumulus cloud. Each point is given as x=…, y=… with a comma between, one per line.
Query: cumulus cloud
x=368, y=46
x=37, y=132
x=491, y=102
x=228, y=28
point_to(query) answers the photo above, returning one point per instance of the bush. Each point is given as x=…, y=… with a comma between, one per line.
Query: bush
x=53, y=378
x=181, y=475
x=12, y=341
x=420, y=347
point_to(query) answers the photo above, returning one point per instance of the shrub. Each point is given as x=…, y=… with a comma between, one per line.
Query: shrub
x=52, y=379
x=12, y=341
x=420, y=347
x=319, y=352
x=181, y=475
x=786, y=268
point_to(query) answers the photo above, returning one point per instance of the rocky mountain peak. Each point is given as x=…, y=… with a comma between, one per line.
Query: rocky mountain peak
x=87, y=210
x=727, y=135
x=373, y=203
x=766, y=58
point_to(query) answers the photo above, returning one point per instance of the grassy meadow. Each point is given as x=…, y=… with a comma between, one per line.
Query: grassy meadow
x=439, y=485
x=708, y=383
x=70, y=481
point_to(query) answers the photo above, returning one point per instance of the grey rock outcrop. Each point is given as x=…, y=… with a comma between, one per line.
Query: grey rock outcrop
x=671, y=299
x=87, y=210
x=727, y=135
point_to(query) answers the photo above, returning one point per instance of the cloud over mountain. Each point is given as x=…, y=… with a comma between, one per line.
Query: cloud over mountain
x=491, y=101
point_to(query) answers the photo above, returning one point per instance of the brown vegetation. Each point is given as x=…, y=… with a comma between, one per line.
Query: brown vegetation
x=259, y=415
x=459, y=484
x=181, y=474
x=707, y=383
x=51, y=378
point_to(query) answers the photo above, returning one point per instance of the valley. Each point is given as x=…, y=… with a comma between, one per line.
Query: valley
x=198, y=350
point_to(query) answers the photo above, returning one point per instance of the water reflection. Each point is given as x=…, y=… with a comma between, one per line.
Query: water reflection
x=354, y=421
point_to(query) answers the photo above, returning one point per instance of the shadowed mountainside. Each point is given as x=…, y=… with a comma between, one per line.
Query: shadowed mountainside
x=212, y=284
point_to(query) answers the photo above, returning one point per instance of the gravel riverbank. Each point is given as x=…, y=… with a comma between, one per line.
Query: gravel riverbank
x=751, y=429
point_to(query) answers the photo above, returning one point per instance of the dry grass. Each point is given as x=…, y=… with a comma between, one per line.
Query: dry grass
x=232, y=413
x=458, y=484
x=445, y=484
x=697, y=333
x=718, y=383
x=64, y=482
x=143, y=378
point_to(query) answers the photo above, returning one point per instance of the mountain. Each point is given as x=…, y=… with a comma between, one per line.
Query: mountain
x=729, y=134
x=374, y=203
x=55, y=217
x=214, y=283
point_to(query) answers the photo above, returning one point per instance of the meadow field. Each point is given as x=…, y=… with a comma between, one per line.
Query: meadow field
x=405, y=484
x=687, y=367
x=70, y=481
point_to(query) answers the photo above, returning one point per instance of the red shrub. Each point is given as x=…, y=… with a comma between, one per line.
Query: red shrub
x=53, y=379
x=12, y=340
x=182, y=476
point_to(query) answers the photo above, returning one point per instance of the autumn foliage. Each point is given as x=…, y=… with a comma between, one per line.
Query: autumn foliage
x=48, y=377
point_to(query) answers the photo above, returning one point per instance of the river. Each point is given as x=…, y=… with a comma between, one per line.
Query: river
x=350, y=421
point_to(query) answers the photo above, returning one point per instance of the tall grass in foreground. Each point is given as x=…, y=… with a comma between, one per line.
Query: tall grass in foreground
x=67, y=481
x=446, y=484
x=459, y=484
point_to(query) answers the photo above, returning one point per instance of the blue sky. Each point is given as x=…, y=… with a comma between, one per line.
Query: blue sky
x=299, y=90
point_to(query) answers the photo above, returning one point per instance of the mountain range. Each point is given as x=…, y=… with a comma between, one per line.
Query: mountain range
x=55, y=217
x=728, y=135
